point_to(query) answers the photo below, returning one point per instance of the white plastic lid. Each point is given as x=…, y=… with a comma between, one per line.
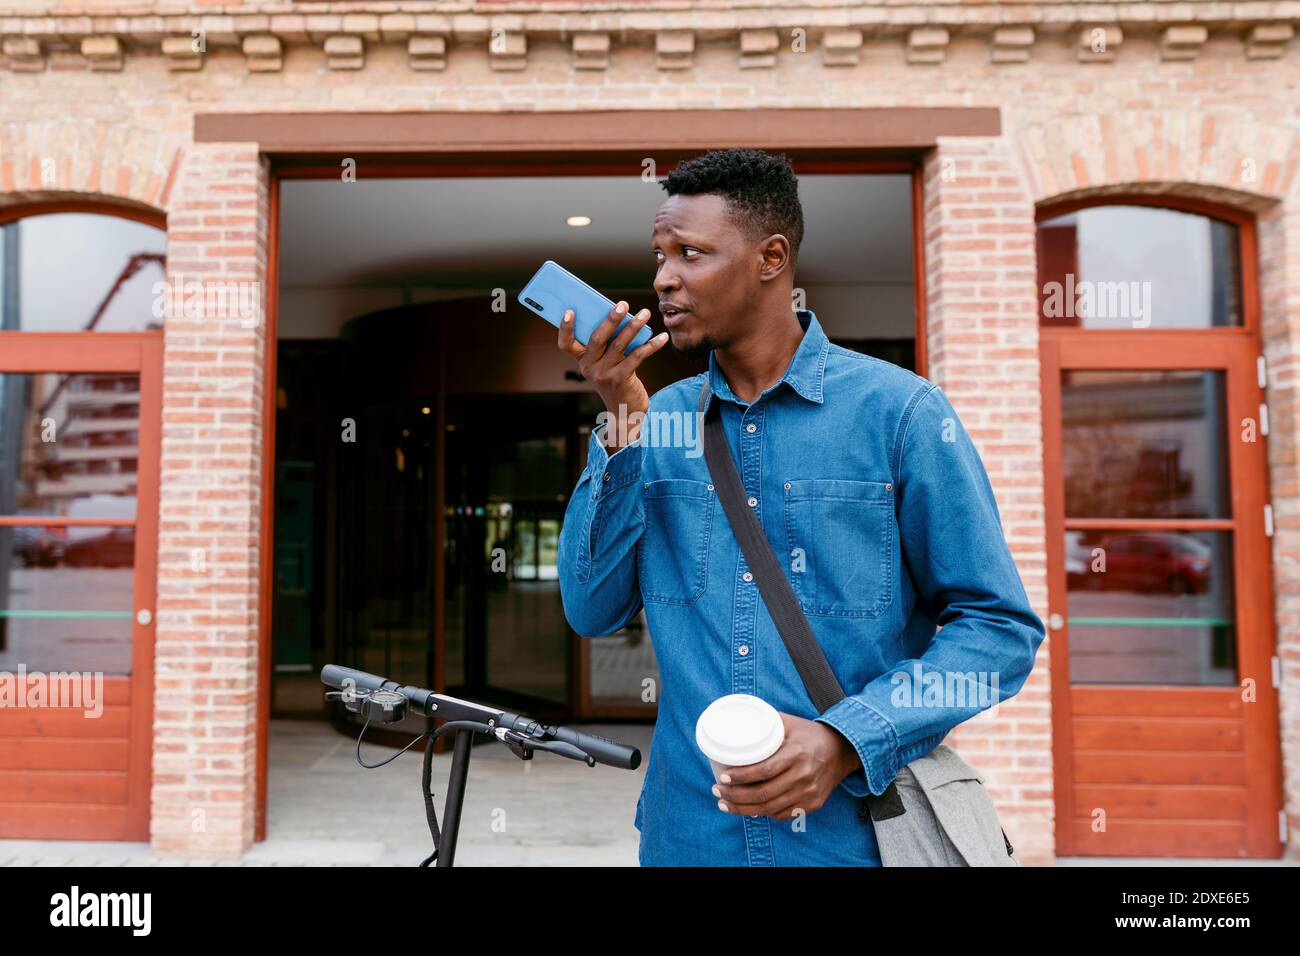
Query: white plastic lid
x=738, y=730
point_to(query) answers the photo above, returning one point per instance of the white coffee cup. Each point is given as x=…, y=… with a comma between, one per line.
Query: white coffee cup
x=738, y=730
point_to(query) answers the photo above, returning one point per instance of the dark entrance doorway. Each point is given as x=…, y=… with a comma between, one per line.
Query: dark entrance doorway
x=509, y=458
x=418, y=516
x=434, y=443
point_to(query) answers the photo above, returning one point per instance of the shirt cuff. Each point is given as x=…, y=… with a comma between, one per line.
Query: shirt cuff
x=610, y=472
x=875, y=741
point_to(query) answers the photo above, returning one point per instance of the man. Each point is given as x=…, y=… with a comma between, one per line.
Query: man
x=865, y=483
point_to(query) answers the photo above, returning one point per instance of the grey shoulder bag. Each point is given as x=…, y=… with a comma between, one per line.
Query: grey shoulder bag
x=935, y=812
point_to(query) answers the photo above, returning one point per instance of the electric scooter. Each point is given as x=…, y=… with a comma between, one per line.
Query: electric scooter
x=383, y=701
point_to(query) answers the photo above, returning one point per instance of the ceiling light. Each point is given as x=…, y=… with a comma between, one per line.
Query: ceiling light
x=578, y=221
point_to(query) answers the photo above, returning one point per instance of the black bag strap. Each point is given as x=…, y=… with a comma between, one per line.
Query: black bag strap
x=823, y=687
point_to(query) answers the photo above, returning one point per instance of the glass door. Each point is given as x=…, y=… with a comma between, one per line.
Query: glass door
x=512, y=461
x=79, y=439
x=1165, y=719
x=1148, y=527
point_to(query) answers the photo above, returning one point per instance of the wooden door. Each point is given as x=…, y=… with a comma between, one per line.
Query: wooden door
x=78, y=558
x=1165, y=714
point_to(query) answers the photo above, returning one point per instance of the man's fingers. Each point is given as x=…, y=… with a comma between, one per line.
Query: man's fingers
x=781, y=806
x=643, y=351
x=606, y=328
x=629, y=332
x=595, y=357
x=762, y=771
x=567, y=342
x=763, y=798
x=632, y=361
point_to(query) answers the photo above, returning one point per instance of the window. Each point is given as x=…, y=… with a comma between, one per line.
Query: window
x=1130, y=266
x=81, y=272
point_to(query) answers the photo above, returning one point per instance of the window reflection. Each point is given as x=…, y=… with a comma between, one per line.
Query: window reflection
x=66, y=597
x=81, y=272
x=69, y=444
x=1154, y=607
x=1144, y=444
x=1127, y=266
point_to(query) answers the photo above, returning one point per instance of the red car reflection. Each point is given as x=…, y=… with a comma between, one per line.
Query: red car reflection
x=1155, y=561
x=111, y=548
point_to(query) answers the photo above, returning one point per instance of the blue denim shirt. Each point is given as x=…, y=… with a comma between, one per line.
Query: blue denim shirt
x=877, y=503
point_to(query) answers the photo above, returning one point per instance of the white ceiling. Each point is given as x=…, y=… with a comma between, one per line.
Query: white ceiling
x=495, y=232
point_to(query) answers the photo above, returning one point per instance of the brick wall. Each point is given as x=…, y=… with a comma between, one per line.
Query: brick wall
x=982, y=335
x=205, y=722
x=1161, y=110
x=1279, y=240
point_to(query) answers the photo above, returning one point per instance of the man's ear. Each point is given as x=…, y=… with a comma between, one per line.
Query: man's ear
x=775, y=254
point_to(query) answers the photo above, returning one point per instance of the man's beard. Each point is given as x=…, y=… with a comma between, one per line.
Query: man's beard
x=699, y=350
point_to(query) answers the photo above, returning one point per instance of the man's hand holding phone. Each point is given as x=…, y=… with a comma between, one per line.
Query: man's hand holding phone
x=612, y=373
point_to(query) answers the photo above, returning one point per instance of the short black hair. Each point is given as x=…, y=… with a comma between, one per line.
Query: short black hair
x=760, y=189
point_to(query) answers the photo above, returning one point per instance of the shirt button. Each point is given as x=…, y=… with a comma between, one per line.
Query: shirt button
x=753, y=502
x=607, y=476
x=710, y=487
x=748, y=576
x=889, y=487
x=787, y=486
x=751, y=427
x=645, y=484
x=743, y=649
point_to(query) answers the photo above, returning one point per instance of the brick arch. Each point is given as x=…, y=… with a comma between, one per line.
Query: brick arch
x=1220, y=158
x=15, y=206
x=62, y=160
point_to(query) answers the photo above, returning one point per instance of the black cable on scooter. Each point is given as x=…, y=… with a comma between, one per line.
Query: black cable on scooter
x=430, y=813
x=373, y=766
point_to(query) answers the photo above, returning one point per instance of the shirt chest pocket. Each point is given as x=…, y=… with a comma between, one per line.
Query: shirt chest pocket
x=840, y=537
x=673, y=553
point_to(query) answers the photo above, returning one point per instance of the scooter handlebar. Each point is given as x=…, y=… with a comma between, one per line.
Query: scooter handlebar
x=338, y=676
x=601, y=749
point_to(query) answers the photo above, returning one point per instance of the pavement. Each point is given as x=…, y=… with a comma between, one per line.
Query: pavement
x=324, y=810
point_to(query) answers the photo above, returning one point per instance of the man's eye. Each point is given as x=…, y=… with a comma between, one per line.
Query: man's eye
x=689, y=249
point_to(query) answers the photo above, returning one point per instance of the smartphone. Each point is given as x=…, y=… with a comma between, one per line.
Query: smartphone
x=553, y=289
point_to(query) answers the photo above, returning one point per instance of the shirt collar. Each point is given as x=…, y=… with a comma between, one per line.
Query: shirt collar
x=806, y=371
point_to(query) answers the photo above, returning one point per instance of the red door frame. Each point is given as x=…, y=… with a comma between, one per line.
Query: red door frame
x=1234, y=350
x=142, y=353
x=490, y=163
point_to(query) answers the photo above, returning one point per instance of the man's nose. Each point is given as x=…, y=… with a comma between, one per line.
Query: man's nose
x=666, y=282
